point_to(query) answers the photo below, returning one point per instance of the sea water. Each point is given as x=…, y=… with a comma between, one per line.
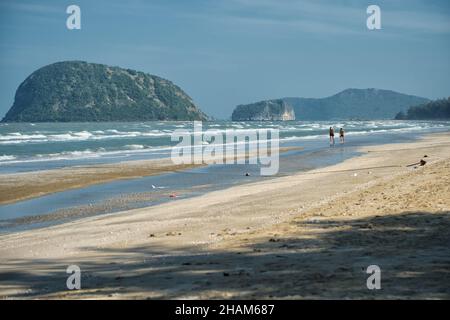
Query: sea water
x=39, y=146
x=32, y=147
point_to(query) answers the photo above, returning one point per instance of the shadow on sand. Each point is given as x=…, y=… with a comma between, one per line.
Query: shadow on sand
x=412, y=250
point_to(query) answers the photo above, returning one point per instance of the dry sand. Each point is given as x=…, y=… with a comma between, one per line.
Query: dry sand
x=309, y=235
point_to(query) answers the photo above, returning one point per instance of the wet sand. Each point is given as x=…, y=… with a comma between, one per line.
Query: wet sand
x=21, y=186
x=308, y=235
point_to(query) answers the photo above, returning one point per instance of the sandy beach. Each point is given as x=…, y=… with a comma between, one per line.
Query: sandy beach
x=307, y=235
x=20, y=186
x=26, y=185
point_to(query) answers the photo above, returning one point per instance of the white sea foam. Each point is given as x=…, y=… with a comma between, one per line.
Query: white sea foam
x=134, y=147
x=145, y=132
x=6, y=158
x=18, y=138
x=303, y=128
x=85, y=154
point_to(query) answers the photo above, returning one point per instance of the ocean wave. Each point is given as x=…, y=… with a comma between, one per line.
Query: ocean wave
x=134, y=147
x=18, y=138
x=127, y=150
x=6, y=158
x=135, y=135
x=310, y=137
x=303, y=128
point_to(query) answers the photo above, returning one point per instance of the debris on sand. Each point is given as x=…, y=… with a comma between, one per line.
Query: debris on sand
x=420, y=163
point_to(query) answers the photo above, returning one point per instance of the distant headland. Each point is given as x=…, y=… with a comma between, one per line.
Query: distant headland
x=361, y=104
x=87, y=92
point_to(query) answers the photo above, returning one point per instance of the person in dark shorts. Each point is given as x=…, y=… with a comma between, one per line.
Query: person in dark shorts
x=341, y=135
x=331, y=136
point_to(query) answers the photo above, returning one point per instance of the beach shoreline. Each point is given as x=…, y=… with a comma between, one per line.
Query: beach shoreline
x=15, y=187
x=250, y=240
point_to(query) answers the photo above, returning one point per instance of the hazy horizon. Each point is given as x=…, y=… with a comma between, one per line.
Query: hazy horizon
x=226, y=53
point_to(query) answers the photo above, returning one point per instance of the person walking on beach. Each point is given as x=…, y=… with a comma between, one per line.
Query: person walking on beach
x=341, y=135
x=331, y=136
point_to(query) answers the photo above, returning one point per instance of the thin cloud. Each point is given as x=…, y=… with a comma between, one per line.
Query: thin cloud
x=329, y=17
x=421, y=22
x=30, y=7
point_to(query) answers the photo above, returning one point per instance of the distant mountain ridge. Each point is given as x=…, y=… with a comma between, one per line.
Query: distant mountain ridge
x=81, y=91
x=364, y=104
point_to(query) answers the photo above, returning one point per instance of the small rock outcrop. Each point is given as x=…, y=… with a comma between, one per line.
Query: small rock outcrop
x=271, y=110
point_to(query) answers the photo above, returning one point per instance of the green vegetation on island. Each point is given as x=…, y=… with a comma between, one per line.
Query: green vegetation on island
x=81, y=91
x=434, y=110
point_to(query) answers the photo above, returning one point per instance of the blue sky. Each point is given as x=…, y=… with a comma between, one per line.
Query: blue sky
x=227, y=52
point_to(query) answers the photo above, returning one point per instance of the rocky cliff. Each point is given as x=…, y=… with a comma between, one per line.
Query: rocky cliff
x=271, y=110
